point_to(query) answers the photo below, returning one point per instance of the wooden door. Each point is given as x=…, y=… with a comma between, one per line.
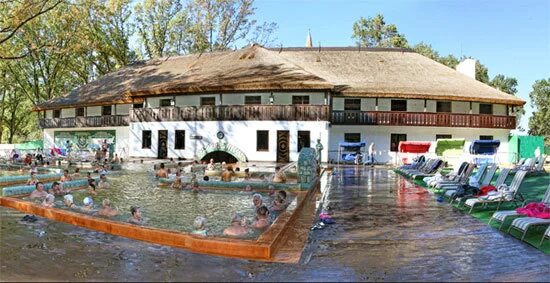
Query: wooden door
x=282, y=146
x=162, y=151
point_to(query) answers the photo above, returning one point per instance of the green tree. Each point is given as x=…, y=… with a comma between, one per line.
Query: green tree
x=426, y=50
x=508, y=85
x=374, y=32
x=540, y=100
x=161, y=25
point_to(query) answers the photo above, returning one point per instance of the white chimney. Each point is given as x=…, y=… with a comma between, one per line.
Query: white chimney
x=467, y=67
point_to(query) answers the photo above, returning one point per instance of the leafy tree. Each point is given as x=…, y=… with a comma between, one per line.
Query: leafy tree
x=508, y=85
x=540, y=99
x=482, y=73
x=426, y=50
x=160, y=25
x=14, y=15
x=374, y=32
x=220, y=24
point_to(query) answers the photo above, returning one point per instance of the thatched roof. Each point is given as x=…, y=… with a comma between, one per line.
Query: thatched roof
x=344, y=71
x=383, y=72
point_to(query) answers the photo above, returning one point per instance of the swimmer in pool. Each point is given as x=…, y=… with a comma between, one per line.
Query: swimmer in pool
x=68, y=200
x=271, y=190
x=103, y=184
x=33, y=180
x=262, y=220
x=278, y=204
x=238, y=227
x=49, y=201
x=66, y=177
x=56, y=189
x=161, y=173
x=92, y=187
x=279, y=176
x=257, y=201
x=282, y=195
x=39, y=192
x=76, y=172
x=247, y=174
x=106, y=209
x=177, y=181
x=200, y=226
x=248, y=188
x=136, y=215
x=88, y=204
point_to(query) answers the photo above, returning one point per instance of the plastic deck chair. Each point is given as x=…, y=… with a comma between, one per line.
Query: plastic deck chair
x=487, y=178
x=499, y=199
x=546, y=235
x=501, y=216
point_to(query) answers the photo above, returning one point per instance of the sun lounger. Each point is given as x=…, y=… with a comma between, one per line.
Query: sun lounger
x=499, y=197
x=487, y=178
x=523, y=224
x=462, y=181
x=546, y=235
x=501, y=216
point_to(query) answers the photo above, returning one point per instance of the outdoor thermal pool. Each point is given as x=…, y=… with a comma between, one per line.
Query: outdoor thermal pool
x=167, y=208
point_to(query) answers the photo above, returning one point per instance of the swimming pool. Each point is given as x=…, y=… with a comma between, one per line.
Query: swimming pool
x=167, y=208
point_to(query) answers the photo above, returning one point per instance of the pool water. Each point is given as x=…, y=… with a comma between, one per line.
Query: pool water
x=163, y=207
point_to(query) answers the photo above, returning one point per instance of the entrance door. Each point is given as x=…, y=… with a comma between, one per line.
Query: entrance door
x=162, y=151
x=282, y=146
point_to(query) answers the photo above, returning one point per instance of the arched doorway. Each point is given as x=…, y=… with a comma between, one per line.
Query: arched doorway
x=220, y=156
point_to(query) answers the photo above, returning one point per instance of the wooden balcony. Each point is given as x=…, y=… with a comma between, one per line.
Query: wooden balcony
x=423, y=119
x=82, y=122
x=232, y=113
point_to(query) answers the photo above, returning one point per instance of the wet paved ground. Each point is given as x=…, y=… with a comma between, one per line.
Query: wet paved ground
x=387, y=229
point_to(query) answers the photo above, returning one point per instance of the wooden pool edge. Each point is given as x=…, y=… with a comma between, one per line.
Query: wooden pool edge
x=263, y=249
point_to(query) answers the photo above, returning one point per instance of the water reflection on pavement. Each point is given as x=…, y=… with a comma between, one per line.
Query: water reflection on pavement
x=386, y=229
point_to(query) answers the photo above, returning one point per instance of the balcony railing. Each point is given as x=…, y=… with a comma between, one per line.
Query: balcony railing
x=232, y=113
x=392, y=118
x=82, y=122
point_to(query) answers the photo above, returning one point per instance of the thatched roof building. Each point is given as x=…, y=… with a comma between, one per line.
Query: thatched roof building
x=399, y=73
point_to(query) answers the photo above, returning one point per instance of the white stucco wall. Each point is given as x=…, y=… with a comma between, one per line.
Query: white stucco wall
x=380, y=135
x=499, y=109
x=241, y=134
x=49, y=114
x=122, y=138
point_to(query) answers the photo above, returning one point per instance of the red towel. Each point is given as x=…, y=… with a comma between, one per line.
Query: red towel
x=485, y=190
x=535, y=209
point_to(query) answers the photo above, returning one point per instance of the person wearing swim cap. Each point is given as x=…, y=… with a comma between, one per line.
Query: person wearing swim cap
x=88, y=204
x=68, y=200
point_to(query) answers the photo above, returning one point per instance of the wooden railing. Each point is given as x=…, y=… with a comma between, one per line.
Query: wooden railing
x=232, y=113
x=82, y=122
x=392, y=118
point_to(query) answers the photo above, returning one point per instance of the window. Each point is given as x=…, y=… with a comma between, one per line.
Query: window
x=165, y=102
x=352, y=104
x=262, y=140
x=443, y=106
x=138, y=105
x=300, y=99
x=256, y=99
x=208, y=101
x=57, y=113
x=395, y=139
x=180, y=139
x=486, y=109
x=485, y=138
x=398, y=105
x=146, y=139
x=352, y=137
x=438, y=137
x=303, y=140
x=79, y=112
x=106, y=110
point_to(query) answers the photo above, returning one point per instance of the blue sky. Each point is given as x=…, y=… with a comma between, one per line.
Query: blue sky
x=509, y=37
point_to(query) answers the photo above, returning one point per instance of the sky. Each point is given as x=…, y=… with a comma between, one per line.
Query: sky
x=509, y=37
